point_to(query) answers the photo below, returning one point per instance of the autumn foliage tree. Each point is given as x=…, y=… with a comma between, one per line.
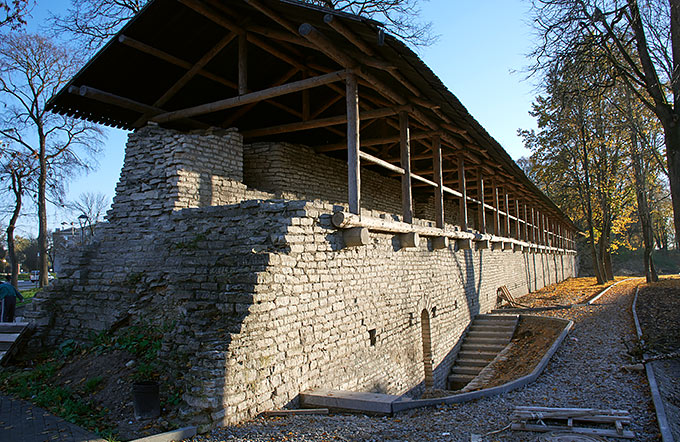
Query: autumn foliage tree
x=577, y=158
x=639, y=39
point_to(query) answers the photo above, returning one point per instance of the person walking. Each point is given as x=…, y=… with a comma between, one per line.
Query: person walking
x=8, y=300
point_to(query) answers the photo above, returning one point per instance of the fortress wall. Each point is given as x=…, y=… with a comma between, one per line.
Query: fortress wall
x=263, y=299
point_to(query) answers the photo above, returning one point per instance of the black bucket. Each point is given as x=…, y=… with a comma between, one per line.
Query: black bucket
x=146, y=400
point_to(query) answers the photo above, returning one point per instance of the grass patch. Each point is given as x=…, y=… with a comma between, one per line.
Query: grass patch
x=28, y=296
x=37, y=386
x=49, y=383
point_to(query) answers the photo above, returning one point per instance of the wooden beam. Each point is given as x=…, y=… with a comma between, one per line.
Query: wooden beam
x=507, y=211
x=325, y=106
x=405, y=148
x=463, y=199
x=322, y=122
x=480, y=196
x=143, y=47
x=438, y=190
x=123, y=102
x=191, y=73
x=341, y=29
x=497, y=216
x=353, y=162
x=242, y=64
x=382, y=163
x=252, y=97
x=518, y=229
x=373, y=142
x=526, y=223
x=245, y=109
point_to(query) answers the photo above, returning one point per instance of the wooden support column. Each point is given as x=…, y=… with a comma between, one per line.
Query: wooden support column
x=518, y=229
x=539, y=236
x=405, y=145
x=243, y=64
x=353, y=174
x=463, y=191
x=543, y=231
x=526, y=224
x=507, y=213
x=497, y=215
x=439, y=179
x=533, y=227
x=480, y=197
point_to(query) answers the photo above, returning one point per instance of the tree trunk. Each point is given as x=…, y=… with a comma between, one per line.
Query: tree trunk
x=672, y=137
x=644, y=214
x=42, y=212
x=11, y=248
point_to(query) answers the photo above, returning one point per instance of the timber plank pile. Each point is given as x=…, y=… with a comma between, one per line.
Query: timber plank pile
x=10, y=334
x=592, y=421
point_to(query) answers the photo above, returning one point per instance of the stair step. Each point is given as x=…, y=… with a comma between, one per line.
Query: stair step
x=461, y=378
x=495, y=348
x=491, y=332
x=470, y=362
x=509, y=318
x=466, y=370
x=486, y=341
x=477, y=355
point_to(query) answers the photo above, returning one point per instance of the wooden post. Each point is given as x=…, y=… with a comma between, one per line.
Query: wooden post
x=405, y=144
x=507, y=214
x=480, y=197
x=518, y=229
x=533, y=227
x=526, y=224
x=543, y=230
x=353, y=174
x=439, y=179
x=496, y=203
x=243, y=64
x=463, y=191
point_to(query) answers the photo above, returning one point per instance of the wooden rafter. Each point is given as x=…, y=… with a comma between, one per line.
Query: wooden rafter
x=322, y=122
x=147, y=49
x=126, y=103
x=191, y=73
x=252, y=97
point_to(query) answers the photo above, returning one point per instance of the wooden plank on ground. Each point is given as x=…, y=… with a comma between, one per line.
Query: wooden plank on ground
x=627, y=434
x=301, y=412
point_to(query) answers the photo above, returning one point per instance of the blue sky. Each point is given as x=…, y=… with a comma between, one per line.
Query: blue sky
x=480, y=44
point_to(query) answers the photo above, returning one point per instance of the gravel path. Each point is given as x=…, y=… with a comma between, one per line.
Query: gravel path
x=585, y=372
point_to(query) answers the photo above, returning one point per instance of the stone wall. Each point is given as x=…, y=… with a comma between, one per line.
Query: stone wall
x=297, y=172
x=264, y=299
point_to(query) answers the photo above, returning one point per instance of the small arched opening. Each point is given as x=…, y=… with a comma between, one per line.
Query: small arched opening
x=427, y=348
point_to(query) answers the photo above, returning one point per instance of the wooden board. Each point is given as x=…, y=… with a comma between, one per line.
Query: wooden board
x=10, y=334
x=544, y=419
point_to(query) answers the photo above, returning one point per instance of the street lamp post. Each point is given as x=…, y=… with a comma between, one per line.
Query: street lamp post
x=82, y=219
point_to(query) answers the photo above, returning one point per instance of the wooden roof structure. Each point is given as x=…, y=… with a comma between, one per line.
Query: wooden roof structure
x=275, y=70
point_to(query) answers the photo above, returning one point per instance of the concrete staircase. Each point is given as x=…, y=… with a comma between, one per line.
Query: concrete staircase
x=486, y=337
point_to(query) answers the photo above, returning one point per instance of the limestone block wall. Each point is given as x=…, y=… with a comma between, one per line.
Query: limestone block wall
x=297, y=172
x=324, y=316
x=264, y=299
